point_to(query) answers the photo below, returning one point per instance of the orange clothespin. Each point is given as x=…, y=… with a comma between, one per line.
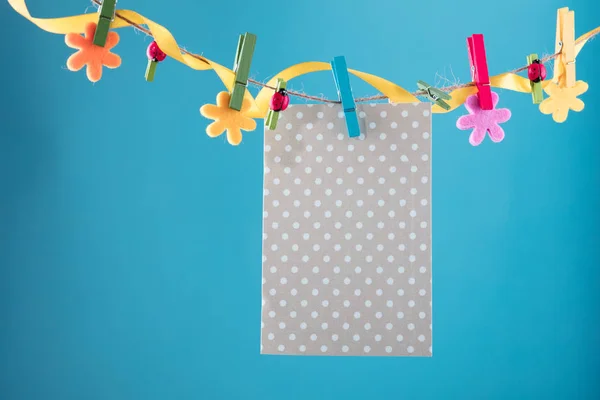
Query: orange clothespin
x=564, y=64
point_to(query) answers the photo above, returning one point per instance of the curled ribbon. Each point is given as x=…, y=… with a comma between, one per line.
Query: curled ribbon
x=260, y=105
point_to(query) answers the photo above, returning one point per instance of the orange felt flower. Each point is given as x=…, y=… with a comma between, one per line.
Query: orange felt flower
x=227, y=119
x=90, y=55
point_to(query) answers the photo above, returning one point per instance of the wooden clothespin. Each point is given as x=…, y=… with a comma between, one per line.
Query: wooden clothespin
x=564, y=64
x=342, y=82
x=536, y=72
x=241, y=68
x=279, y=102
x=106, y=17
x=435, y=95
x=479, y=71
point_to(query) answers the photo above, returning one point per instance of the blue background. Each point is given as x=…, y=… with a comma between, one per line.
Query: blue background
x=130, y=248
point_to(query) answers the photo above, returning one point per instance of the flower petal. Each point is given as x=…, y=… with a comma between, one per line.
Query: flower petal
x=111, y=60
x=501, y=115
x=111, y=40
x=247, y=124
x=496, y=133
x=90, y=30
x=495, y=99
x=577, y=105
x=75, y=41
x=472, y=104
x=234, y=136
x=547, y=106
x=246, y=105
x=477, y=136
x=215, y=128
x=223, y=100
x=465, y=122
x=580, y=88
x=76, y=61
x=94, y=71
x=210, y=111
x=560, y=113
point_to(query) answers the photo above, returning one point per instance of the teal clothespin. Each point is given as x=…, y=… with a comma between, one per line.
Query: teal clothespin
x=241, y=68
x=540, y=74
x=279, y=102
x=435, y=95
x=107, y=16
x=342, y=81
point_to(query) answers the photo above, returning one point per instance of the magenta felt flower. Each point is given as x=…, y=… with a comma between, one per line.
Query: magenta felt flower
x=482, y=121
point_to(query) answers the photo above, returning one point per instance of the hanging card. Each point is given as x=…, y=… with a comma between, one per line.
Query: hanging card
x=347, y=233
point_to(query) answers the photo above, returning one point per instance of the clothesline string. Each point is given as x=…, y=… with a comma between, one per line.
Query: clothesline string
x=254, y=82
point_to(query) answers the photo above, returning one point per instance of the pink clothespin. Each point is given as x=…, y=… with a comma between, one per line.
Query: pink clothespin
x=479, y=71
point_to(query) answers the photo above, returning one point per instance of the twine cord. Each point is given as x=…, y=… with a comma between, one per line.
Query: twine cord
x=421, y=93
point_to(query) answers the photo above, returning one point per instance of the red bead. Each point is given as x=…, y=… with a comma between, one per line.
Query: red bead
x=542, y=72
x=279, y=101
x=536, y=71
x=155, y=53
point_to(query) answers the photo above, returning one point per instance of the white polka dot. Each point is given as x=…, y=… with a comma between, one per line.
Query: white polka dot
x=299, y=115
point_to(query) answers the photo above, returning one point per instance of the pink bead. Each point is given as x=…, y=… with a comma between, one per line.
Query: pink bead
x=155, y=53
x=536, y=71
x=279, y=101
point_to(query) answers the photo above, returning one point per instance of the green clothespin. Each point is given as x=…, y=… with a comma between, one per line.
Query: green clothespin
x=536, y=71
x=279, y=102
x=435, y=95
x=241, y=68
x=107, y=16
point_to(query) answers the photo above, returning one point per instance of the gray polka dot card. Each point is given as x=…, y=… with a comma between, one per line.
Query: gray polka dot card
x=347, y=232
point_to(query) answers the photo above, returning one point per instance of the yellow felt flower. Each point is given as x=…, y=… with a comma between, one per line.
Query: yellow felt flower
x=228, y=119
x=563, y=99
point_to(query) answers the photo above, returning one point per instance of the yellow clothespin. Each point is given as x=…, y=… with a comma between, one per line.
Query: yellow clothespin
x=564, y=64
